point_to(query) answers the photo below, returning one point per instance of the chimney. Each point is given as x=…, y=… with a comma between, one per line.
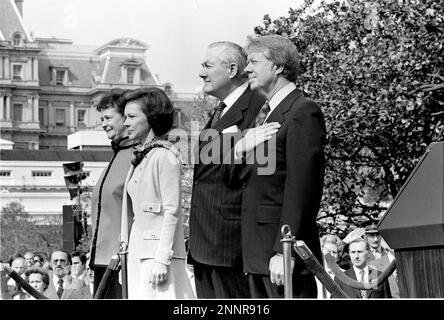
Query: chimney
x=19, y=5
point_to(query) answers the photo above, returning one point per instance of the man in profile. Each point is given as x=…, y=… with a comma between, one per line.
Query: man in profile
x=291, y=193
x=215, y=236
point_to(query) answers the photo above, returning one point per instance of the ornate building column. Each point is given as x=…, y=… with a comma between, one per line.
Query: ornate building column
x=8, y=106
x=36, y=109
x=29, y=69
x=2, y=104
x=71, y=117
x=2, y=67
x=6, y=68
x=36, y=69
x=137, y=76
x=51, y=115
x=28, y=114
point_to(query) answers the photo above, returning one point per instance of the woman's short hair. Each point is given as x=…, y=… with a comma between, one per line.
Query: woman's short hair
x=331, y=238
x=34, y=269
x=279, y=50
x=113, y=99
x=156, y=106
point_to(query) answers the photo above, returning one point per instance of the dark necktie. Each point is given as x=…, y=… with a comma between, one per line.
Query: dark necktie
x=60, y=288
x=218, y=113
x=363, y=292
x=260, y=119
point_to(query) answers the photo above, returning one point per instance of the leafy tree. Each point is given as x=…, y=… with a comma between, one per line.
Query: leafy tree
x=19, y=234
x=366, y=64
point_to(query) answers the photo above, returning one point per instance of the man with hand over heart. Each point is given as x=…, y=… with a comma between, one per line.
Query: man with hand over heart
x=215, y=217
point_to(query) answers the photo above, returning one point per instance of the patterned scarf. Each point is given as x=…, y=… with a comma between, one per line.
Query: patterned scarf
x=141, y=150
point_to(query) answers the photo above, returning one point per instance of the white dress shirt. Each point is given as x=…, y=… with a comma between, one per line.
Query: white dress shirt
x=233, y=96
x=358, y=273
x=55, y=280
x=279, y=96
x=273, y=103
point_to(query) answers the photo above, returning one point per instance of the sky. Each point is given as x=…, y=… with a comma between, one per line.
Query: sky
x=176, y=31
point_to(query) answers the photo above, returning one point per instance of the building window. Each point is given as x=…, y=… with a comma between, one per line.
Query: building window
x=16, y=39
x=5, y=173
x=41, y=116
x=17, y=112
x=17, y=71
x=60, y=117
x=81, y=118
x=60, y=77
x=41, y=173
x=130, y=73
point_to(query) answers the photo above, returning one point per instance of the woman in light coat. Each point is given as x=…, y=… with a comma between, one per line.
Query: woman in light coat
x=156, y=249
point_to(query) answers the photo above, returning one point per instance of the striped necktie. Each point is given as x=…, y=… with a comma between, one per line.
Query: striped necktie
x=60, y=288
x=218, y=113
x=260, y=119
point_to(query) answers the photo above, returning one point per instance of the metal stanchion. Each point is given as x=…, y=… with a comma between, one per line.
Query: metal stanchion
x=123, y=263
x=287, y=241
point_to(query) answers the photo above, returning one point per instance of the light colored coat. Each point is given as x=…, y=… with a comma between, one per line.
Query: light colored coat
x=74, y=289
x=157, y=231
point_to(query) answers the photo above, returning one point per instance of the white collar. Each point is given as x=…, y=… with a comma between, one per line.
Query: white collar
x=358, y=273
x=234, y=96
x=279, y=96
x=55, y=280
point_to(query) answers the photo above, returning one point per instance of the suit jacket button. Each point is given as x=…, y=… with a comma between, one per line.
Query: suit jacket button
x=196, y=182
x=244, y=185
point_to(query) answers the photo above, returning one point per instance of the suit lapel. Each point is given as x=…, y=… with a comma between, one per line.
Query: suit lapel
x=236, y=113
x=372, y=275
x=277, y=115
x=233, y=116
x=351, y=273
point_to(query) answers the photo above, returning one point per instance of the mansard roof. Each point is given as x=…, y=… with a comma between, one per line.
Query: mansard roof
x=112, y=73
x=11, y=22
x=124, y=43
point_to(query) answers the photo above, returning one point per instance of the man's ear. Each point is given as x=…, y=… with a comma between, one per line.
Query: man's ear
x=233, y=69
x=279, y=70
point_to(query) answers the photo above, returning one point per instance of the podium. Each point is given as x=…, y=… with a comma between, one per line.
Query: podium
x=414, y=227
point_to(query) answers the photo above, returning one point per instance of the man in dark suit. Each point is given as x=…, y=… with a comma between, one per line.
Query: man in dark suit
x=359, y=255
x=215, y=235
x=289, y=189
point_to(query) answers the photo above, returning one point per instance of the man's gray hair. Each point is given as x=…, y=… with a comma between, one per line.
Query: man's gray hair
x=279, y=50
x=231, y=52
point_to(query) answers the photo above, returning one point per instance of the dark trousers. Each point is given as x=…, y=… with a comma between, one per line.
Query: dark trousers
x=304, y=286
x=115, y=288
x=213, y=282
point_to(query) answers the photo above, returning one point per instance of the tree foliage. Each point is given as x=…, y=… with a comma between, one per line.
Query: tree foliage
x=19, y=234
x=366, y=64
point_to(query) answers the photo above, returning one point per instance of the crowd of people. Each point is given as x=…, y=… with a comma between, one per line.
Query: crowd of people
x=63, y=275
x=362, y=255
x=260, y=165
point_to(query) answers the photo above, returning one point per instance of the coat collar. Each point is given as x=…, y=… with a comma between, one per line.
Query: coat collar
x=234, y=114
x=277, y=115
